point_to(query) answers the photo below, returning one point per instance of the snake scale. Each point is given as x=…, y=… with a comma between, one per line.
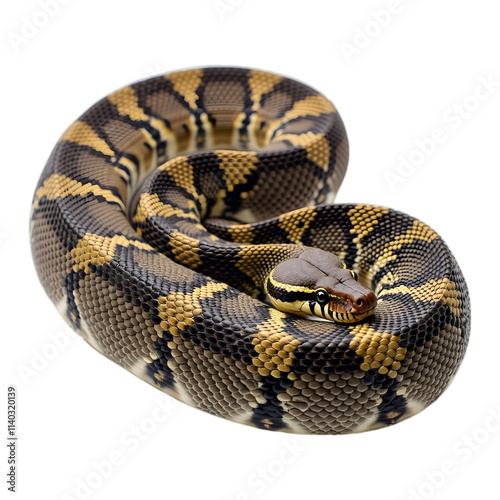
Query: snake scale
x=180, y=222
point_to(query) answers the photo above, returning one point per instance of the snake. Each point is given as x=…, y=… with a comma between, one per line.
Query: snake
x=185, y=227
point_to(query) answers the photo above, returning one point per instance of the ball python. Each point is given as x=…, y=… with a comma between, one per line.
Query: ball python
x=184, y=227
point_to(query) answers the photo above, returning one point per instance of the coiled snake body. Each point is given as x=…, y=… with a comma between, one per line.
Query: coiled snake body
x=167, y=229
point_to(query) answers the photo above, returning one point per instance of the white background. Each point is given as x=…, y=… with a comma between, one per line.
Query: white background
x=411, y=74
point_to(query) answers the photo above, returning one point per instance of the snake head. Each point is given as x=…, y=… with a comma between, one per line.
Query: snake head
x=316, y=283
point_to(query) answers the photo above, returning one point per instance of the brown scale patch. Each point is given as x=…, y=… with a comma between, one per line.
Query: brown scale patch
x=218, y=385
x=139, y=143
x=243, y=306
x=52, y=260
x=127, y=104
x=108, y=216
x=268, y=111
x=117, y=328
x=271, y=197
x=324, y=403
x=224, y=97
x=428, y=369
x=168, y=107
x=274, y=104
x=313, y=328
x=339, y=170
x=380, y=350
x=297, y=127
x=126, y=138
x=158, y=265
x=224, y=101
x=330, y=237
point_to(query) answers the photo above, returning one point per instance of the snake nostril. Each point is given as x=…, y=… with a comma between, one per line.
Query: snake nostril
x=360, y=302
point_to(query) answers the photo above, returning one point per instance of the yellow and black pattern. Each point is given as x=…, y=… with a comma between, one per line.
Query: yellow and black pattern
x=163, y=209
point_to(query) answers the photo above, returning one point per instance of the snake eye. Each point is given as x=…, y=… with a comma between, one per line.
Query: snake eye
x=322, y=297
x=354, y=275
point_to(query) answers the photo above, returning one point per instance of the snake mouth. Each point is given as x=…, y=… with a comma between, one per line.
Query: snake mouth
x=342, y=307
x=345, y=308
x=339, y=311
x=350, y=317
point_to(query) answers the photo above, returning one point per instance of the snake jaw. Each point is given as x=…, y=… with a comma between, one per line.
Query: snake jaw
x=341, y=309
x=350, y=317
